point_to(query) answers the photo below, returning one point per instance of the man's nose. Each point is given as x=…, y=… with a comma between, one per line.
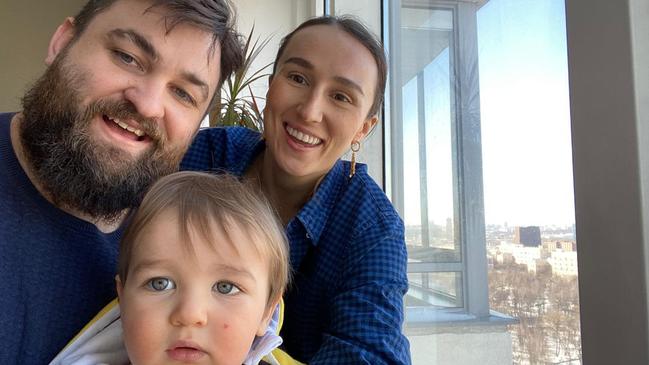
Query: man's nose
x=190, y=309
x=148, y=98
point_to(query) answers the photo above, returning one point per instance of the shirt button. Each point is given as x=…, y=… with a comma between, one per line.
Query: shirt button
x=308, y=236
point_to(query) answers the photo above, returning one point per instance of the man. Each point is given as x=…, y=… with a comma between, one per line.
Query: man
x=127, y=85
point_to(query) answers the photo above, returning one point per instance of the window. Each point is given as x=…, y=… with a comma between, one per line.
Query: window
x=435, y=142
x=478, y=131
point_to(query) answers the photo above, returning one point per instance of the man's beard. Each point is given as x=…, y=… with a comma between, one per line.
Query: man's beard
x=75, y=170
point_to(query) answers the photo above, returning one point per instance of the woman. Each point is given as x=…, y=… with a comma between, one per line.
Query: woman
x=347, y=241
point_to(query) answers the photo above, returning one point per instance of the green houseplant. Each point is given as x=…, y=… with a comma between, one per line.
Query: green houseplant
x=238, y=105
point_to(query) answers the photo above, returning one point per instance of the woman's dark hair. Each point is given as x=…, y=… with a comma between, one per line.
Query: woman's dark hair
x=360, y=32
x=213, y=16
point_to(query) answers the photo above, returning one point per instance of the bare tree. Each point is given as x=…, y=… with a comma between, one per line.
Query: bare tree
x=547, y=309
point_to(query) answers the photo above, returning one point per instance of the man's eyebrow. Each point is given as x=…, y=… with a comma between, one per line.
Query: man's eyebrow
x=135, y=37
x=343, y=80
x=194, y=79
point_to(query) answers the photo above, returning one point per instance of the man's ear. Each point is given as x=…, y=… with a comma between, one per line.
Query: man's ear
x=61, y=38
x=119, y=286
x=263, y=325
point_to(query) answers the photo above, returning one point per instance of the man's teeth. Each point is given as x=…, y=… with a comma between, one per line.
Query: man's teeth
x=127, y=127
x=303, y=137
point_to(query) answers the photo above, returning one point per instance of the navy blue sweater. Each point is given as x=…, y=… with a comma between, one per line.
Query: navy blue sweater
x=56, y=271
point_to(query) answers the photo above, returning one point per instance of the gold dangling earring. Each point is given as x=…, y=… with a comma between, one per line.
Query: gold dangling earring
x=355, y=147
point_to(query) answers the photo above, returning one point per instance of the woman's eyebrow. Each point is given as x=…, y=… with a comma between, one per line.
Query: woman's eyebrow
x=300, y=62
x=349, y=83
x=309, y=66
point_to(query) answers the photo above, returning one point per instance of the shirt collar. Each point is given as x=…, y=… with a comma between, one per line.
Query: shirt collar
x=315, y=212
x=249, y=150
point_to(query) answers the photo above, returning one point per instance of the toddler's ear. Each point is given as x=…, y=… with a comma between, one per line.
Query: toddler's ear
x=119, y=286
x=265, y=321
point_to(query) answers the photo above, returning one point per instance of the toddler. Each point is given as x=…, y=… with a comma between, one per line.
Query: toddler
x=202, y=268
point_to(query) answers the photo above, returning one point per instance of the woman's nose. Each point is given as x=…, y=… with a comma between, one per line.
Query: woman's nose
x=310, y=109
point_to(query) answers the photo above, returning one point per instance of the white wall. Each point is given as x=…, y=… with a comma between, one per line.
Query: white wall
x=272, y=19
x=467, y=346
x=25, y=30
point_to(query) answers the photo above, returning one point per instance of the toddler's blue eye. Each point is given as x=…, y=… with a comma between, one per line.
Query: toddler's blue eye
x=225, y=287
x=160, y=284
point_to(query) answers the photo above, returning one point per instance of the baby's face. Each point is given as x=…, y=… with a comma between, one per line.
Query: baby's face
x=201, y=308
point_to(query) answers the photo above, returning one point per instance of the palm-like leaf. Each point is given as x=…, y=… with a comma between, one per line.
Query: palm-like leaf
x=237, y=107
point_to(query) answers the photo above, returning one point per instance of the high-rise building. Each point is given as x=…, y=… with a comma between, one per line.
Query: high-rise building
x=528, y=236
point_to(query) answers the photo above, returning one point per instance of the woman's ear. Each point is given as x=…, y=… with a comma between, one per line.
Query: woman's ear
x=367, y=126
x=60, y=39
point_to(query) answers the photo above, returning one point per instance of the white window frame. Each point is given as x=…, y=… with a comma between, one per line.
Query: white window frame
x=469, y=198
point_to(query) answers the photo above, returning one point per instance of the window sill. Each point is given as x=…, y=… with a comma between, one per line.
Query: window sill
x=426, y=321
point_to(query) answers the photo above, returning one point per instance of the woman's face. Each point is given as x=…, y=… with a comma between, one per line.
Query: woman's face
x=318, y=100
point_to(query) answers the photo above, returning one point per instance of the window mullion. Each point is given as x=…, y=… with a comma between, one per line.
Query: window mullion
x=471, y=195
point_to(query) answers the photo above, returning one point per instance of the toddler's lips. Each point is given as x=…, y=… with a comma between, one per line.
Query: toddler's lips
x=186, y=351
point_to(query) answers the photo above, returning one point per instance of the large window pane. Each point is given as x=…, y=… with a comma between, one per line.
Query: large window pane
x=480, y=171
x=426, y=69
x=527, y=166
x=442, y=290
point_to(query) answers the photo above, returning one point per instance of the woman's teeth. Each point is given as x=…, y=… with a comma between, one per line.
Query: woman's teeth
x=305, y=138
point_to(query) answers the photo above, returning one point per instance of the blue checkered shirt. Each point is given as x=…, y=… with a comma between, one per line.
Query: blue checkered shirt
x=348, y=254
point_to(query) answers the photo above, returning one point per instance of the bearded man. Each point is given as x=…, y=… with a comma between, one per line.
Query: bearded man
x=127, y=84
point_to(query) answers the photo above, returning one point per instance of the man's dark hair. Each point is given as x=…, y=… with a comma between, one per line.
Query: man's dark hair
x=213, y=16
x=360, y=32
